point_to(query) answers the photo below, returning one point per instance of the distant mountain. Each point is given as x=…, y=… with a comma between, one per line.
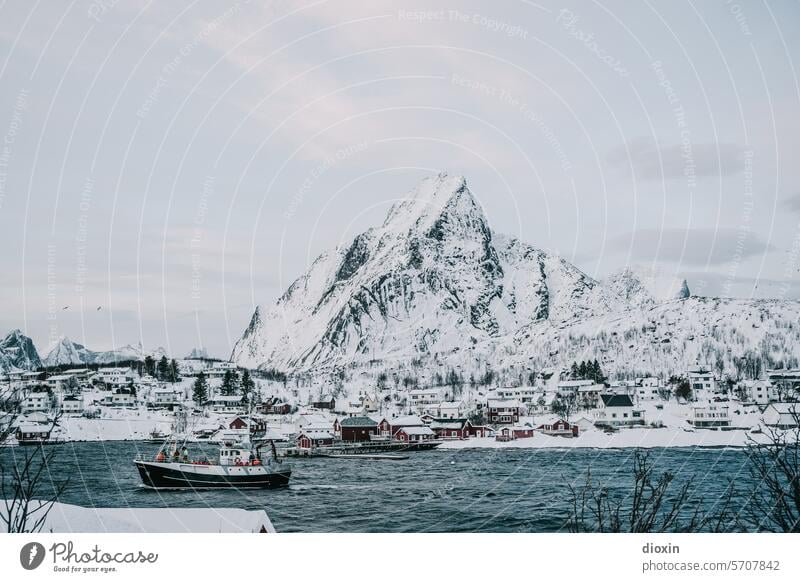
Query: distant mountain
x=66, y=352
x=642, y=287
x=18, y=352
x=198, y=354
x=434, y=286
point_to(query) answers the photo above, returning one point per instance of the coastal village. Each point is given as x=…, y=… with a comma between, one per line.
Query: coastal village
x=575, y=406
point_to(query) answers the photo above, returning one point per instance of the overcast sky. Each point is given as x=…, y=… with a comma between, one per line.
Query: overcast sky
x=165, y=166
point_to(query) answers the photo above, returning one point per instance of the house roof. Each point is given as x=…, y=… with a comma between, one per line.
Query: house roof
x=316, y=435
x=417, y=430
x=358, y=421
x=407, y=420
x=457, y=423
x=616, y=400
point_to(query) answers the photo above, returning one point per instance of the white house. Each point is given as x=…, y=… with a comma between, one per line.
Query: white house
x=218, y=369
x=761, y=392
x=702, y=382
x=122, y=398
x=710, y=415
x=786, y=383
x=231, y=404
x=446, y=410
x=525, y=394
x=72, y=405
x=572, y=387
x=422, y=397
x=166, y=396
x=36, y=402
x=782, y=415
x=647, y=393
x=115, y=376
x=618, y=410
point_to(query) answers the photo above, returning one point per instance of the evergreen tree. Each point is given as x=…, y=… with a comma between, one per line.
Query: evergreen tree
x=230, y=383
x=573, y=372
x=150, y=365
x=248, y=387
x=582, y=371
x=200, y=389
x=600, y=376
x=163, y=368
x=174, y=373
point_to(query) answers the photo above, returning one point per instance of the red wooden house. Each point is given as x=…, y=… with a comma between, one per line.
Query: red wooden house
x=512, y=433
x=238, y=423
x=310, y=440
x=358, y=429
x=503, y=411
x=451, y=428
x=273, y=406
x=414, y=434
x=558, y=427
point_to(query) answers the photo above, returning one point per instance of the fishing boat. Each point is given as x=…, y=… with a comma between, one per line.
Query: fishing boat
x=157, y=436
x=237, y=467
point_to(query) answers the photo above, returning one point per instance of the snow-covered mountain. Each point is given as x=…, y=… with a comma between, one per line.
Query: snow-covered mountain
x=67, y=352
x=435, y=285
x=433, y=278
x=642, y=287
x=18, y=352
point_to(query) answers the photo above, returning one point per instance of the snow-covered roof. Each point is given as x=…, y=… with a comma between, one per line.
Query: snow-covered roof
x=316, y=435
x=417, y=430
x=30, y=427
x=407, y=420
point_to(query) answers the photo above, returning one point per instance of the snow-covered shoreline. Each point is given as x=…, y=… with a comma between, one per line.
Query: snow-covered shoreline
x=624, y=439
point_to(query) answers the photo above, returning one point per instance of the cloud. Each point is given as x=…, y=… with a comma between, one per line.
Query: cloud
x=696, y=246
x=652, y=160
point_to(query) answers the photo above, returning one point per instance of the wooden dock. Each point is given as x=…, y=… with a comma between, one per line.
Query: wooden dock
x=366, y=448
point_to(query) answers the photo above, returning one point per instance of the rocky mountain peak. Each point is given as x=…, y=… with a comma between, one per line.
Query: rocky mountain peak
x=433, y=198
x=18, y=351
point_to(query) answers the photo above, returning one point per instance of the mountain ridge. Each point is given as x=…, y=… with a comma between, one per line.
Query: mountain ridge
x=434, y=280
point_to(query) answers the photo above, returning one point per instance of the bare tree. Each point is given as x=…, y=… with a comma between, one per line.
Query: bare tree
x=774, y=503
x=26, y=501
x=653, y=506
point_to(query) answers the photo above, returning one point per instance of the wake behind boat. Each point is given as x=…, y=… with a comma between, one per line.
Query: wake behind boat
x=237, y=466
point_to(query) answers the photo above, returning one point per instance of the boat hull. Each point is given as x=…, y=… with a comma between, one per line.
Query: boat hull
x=189, y=476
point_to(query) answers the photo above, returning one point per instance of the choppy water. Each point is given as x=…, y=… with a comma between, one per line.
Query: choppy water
x=507, y=490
